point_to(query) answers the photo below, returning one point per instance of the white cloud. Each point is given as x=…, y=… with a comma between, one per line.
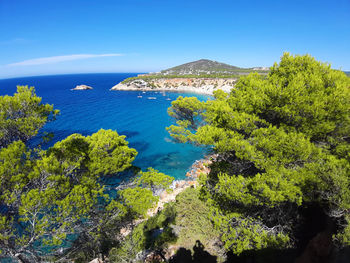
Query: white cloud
x=56, y=59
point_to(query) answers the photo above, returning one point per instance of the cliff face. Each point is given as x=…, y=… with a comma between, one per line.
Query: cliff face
x=200, y=85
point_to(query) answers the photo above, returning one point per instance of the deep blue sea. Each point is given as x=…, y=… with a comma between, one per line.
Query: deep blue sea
x=142, y=120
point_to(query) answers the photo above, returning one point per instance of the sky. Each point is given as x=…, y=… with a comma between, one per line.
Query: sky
x=43, y=37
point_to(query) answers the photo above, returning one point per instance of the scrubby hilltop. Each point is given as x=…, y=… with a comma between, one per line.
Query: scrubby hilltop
x=202, y=66
x=206, y=66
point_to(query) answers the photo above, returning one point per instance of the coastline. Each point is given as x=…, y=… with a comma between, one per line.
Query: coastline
x=198, y=168
x=199, y=90
x=192, y=85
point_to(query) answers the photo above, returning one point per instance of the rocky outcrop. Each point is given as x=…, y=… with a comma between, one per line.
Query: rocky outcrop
x=82, y=87
x=199, y=85
x=201, y=166
x=198, y=168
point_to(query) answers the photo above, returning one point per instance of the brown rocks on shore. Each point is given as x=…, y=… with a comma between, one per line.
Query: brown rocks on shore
x=201, y=166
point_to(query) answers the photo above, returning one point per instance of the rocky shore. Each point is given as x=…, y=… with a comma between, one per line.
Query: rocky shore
x=199, y=85
x=198, y=168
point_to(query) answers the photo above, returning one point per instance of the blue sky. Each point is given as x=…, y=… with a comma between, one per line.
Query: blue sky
x=40, y=37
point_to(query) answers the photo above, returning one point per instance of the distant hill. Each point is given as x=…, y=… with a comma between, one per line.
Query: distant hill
x=206, y=66
x=347, y=73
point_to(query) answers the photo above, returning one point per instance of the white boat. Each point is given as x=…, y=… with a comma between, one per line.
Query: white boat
x=151, y=98
x=139, y=96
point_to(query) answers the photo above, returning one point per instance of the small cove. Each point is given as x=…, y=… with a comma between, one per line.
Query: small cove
x=130, y=113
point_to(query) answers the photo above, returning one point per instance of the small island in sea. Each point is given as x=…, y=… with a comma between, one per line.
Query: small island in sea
x=82, y=87
x=201, y=76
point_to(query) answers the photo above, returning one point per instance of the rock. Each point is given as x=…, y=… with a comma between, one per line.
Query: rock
x=181, y=184
x=82, y=87
x=170, y=251
x=155, y=256
x=163, y=195
x=125, y=231
x=96, y=260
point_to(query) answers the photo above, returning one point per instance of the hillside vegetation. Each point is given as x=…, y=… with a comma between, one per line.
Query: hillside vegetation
x=203, y=68
x=280, y=180
x=283, y=144
x=206, y=66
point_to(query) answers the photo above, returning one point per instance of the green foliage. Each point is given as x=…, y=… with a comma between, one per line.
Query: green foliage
x=243, y=234
x=131, y=246
x=181, y=223
x=138, y=199
x=155, y=233
x=283, y=141
x=141, y=198
x=193, y=221
x=22, y=115
x=48, y=195
x=153, y=179
x=109, y=152
x=343, y=237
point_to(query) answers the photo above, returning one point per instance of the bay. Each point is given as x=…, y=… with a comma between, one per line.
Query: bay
x=140, y=119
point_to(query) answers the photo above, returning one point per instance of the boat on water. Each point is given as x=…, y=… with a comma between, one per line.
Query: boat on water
x=168, y=99
x=139, y=96
x=151, y=98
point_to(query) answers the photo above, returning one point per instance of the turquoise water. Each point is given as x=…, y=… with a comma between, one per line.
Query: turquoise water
x=142, y=120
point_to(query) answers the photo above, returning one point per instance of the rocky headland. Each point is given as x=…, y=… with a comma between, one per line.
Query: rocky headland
x=201, y=76
x=199, y=85
x=82, y=87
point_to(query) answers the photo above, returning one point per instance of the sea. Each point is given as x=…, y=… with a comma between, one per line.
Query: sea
x=140, y=116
